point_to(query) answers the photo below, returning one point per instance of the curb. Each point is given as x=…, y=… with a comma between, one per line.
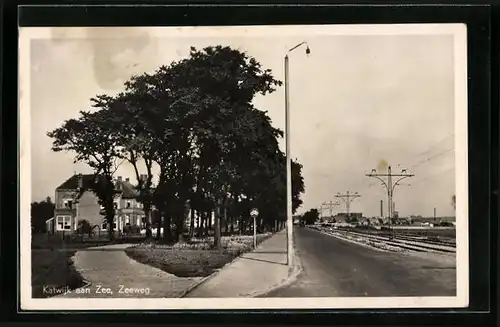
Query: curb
x=293, y=274
x=86, y=283
x=205, y=279
x=215, y=273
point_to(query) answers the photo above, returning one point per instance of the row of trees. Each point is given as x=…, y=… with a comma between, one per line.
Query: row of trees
x=194, y=120
x=40, y=213
x=310, y=217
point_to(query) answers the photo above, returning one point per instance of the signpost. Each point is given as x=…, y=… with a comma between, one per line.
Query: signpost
x=254, y=213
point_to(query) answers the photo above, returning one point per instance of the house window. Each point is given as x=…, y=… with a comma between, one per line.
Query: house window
x=129, y=204
x=127, y=219
x=68, y=203
x=63, y=223
x=104, y=226
x=116, y=204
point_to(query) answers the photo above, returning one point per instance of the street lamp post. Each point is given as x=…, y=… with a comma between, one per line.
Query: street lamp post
x=288, y=158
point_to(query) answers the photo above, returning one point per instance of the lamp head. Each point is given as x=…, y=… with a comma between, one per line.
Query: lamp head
x=308, y=51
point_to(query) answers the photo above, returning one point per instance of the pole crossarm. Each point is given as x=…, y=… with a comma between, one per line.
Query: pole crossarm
x=390, y=186
x=348, y=198
x=399, y=180
x=329, y=205
x=380, y=179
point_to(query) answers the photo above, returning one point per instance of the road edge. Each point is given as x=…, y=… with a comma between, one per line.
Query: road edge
x=86, y=282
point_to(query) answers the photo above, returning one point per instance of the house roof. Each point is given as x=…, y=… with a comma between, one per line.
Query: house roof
x=127, y=188
x=72, y=182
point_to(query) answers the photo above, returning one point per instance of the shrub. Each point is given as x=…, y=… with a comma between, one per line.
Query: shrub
x=84, y=227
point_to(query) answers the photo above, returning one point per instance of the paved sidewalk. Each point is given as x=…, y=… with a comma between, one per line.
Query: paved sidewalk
x=113, y=274
x=251, y=274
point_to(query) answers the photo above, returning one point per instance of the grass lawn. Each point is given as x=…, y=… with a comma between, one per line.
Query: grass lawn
x=182, y=263
x=52, y=267
x=193, y=260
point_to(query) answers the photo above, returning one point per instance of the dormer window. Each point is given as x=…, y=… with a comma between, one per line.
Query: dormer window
x=128, y=204
x=68, y=203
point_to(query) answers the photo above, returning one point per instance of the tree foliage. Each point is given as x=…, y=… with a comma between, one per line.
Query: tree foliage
x=311, y=216
x=196, y=121
x=40, y=213
x=93, y=139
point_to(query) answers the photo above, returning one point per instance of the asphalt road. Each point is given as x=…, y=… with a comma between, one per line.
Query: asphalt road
x=337, y=268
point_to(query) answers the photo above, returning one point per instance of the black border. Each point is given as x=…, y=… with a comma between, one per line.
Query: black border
x=482, y=122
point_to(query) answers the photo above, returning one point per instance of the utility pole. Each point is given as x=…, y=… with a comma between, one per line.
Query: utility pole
x=434, y=216
x=348, y=198
x=390, y=186
x=330, y=205
x=289, y=209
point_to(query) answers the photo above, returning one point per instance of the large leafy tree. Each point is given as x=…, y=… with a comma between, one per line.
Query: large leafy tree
x=194, y=118
x=311, y=216
x=94, y=141
x=224, y=82
x=40, y=213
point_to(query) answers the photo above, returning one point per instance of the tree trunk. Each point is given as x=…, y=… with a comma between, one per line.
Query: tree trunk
x=147, y=215
x=161, y=219
x=226, y=222
x=201, y=223
x=231, y=224
x=111, y=231
x=191, y=228
x=167, y=230
x=217, y=225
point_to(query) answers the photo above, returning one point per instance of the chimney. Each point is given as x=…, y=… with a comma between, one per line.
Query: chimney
x=381, y=208
x=127, y=180
x=80, y=181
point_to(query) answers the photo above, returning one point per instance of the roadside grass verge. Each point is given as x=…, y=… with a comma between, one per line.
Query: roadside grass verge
x=52, y=267
x=196, y=258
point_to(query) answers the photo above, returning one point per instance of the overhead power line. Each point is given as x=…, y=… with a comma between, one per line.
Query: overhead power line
x=440, y=154
x=436, y=144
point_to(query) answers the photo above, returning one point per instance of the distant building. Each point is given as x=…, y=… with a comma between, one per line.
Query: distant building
x=75, y=201
x=343, y=217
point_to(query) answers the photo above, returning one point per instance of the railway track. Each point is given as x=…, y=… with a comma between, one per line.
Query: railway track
x=405, y=237
x=407, y=243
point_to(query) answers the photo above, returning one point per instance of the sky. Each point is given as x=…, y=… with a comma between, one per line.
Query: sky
x=357, y=102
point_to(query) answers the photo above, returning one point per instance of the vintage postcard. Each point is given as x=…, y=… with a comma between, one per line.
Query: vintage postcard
x=250, y=167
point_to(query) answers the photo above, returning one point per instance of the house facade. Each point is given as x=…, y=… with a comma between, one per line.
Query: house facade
x=75, y=201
